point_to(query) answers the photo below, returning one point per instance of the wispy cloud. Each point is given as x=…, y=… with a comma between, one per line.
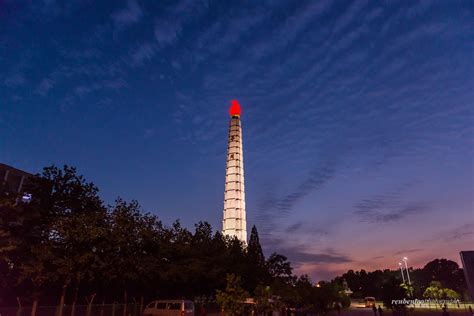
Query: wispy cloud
x=83, y=54
x=271, y=207
x=295, y=227
x=315, y=180
x=300, y=254
x=349, y=15
x=401, y=252
x=82, y=90
x=14, y=80
x=462, y=232
x=149, y=132
x=306, y=227
x=388, y=207
x=51, y=9
x=45, y=85
x=167, y=31
x=169, y=25
x=131, y=14
x=296, y=23
x=314, y=258
x=143, y=53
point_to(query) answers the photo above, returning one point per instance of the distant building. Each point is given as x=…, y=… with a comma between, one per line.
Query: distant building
x=467, y=258
x=14, y=180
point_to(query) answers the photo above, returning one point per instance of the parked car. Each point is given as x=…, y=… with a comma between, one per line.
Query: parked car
x=169, y=308
x=369, y=301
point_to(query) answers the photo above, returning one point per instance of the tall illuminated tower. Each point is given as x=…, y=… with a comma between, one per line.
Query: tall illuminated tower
x=234, y=221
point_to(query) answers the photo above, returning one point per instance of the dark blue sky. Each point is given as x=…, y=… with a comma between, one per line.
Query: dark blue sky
x=357, y=116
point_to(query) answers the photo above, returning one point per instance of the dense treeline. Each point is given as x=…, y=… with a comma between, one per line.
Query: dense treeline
x=66, y=245
x=445, y=272
x=67, y=241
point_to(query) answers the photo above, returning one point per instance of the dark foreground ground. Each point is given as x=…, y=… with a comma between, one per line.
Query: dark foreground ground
x=134, y=310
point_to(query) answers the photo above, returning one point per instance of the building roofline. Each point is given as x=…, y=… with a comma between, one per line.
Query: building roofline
x=16, y=170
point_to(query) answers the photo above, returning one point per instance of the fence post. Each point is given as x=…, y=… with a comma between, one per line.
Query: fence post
x=89, y=305
x=73, y=306
x=125, y=303
x=18, y=311
x=140, y=311
x=102, y=308
x=61, y=300
x=113, y=309
x=134, y=308
x=34, y=307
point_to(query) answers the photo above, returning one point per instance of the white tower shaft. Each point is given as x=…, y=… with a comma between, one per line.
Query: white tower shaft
x=234, y=221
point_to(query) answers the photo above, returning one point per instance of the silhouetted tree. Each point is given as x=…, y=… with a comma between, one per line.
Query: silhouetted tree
x=445, y=271
x=256, y=270
x=437, y=292
x=279, y=267
x=254, y=248
x=393, y=290
x=233, y=297
x=262, y=296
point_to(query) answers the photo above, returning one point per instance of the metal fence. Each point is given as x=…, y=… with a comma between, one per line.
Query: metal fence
x=134, y=309
x=79, y=310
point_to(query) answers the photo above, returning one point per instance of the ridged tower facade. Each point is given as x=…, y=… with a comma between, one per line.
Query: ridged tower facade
x=234, y=221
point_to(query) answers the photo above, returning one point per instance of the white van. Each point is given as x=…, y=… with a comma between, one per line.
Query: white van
x=169, y=308
x=369, y=301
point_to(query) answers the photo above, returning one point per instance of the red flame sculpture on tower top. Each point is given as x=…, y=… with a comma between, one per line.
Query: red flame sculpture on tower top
x=235, y=108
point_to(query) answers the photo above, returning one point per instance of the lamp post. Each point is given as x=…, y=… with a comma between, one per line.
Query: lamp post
x=406, y=268
x=401, y=270
x=410, y=290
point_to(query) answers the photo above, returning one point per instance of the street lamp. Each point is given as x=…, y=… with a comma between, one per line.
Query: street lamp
x=406, y=268
x=401, y=270
x=410, y=291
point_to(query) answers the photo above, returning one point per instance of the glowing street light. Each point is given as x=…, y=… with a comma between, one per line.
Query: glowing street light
x=401, y=270
x=406, y=268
